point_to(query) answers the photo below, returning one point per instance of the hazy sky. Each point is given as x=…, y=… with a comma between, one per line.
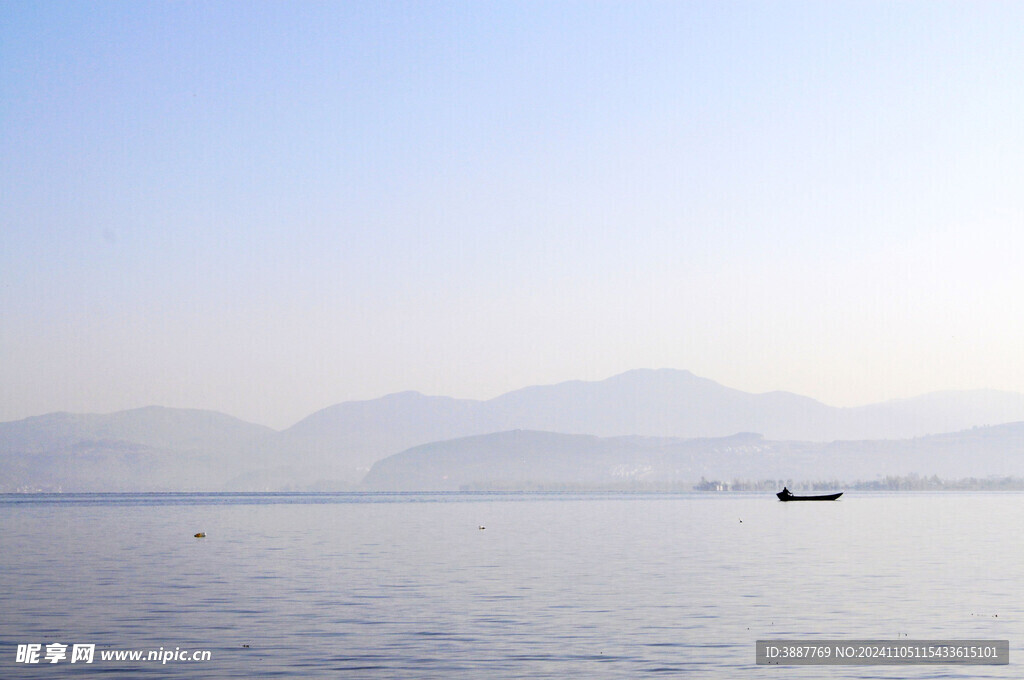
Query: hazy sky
x=268, y=208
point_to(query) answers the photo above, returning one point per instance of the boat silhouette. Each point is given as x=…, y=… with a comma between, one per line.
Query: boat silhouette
x=785, y=495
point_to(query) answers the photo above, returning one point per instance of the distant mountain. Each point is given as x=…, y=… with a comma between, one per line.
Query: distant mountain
x=346, y=439
x=522, y=459
x=163, y=449
x=933, y=413
x=151, y=449
x=528, y=459
x=341, y=442
x=154, y=426
x=675, y=403
x=662, y=403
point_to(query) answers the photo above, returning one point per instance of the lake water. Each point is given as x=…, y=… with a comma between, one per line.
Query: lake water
x=555, y=586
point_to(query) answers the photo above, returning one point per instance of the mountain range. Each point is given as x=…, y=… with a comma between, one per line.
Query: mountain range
x=157, y=448
x=525, y=459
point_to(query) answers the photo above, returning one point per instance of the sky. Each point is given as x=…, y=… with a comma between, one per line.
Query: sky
x=266, y=208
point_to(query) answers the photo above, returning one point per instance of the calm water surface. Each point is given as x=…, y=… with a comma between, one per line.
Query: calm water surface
x=555, y=586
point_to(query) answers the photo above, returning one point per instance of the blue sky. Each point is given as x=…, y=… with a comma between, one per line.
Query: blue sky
x=267, y=208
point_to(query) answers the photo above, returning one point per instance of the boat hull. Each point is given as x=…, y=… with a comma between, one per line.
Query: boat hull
x=790, y=497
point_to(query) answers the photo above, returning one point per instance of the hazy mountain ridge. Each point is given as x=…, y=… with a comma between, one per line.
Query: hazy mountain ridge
x=156, y=426
x=659, y=403
x=348, y=438
x=530, y=459
x=152, y=449
x=157, y=448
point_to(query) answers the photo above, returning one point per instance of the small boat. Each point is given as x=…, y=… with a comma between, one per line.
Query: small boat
x=785, y=495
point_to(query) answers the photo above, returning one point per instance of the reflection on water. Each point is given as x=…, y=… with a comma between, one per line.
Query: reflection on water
x=557, y=585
